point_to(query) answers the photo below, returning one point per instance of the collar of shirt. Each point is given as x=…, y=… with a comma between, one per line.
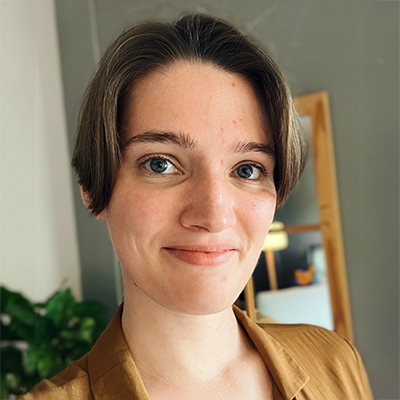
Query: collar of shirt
x=112, y=369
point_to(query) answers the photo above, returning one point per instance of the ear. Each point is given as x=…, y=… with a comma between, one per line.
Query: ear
x=86, y=201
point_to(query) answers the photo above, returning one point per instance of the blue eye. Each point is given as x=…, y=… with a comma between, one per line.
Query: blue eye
x=159, y=165
x=248, y=171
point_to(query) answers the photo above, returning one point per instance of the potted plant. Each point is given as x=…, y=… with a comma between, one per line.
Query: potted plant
x=39, y=340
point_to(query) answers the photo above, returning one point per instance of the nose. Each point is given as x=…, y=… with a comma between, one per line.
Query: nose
x=209, y=205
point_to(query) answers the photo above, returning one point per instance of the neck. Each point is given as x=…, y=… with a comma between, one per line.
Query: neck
x=176, y=347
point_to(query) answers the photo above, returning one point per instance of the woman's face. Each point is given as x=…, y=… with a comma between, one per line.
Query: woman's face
x=195, y=195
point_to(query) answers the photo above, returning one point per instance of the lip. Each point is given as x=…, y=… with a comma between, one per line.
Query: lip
x=202, y=255
x=209, y=248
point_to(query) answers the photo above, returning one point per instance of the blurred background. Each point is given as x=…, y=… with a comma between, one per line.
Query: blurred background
x=50, y=50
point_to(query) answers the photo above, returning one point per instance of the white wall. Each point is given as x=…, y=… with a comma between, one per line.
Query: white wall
x=39, y=248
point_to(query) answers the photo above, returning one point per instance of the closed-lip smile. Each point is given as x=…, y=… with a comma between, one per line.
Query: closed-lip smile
x=216, y=247
x=202, y=255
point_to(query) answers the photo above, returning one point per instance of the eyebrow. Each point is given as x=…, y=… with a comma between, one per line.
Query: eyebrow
x=246, y=147
x=180, y=139
x=186, y=142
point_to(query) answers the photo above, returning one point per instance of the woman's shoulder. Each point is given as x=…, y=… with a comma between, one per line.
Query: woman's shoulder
x=325, y=355
x=73, y=382
x=301, y=333
x=304, y=340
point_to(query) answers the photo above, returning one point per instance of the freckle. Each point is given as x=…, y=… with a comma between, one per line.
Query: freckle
x=233, y=84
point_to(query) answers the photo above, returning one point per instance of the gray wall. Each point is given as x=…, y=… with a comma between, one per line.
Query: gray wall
x=350, y=49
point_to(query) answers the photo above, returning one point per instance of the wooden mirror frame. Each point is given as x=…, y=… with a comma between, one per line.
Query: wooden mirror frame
x=316, y=105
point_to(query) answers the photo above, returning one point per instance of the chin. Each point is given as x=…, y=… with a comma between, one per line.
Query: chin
x=209, y=302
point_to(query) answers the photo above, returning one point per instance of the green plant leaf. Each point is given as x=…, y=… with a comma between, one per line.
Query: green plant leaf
x=45, y=331
x=31, y=360
x=5, y=296
x=45, y=364
x=90, y=309
x=18, y=308
x=60, y=307
x=22, y=331
x=13, y=382
x=57, y=332
x=88, y=323
x=41, y=358
x=3, y=387
x=80, y=335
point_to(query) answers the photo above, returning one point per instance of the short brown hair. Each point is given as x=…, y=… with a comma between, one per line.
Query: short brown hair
x=152, y=46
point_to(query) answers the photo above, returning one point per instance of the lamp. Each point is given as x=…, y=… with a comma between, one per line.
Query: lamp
x=276, y=239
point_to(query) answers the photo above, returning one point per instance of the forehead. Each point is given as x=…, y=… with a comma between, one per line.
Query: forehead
x=197, y=99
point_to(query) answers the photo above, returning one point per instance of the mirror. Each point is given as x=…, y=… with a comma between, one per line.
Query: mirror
x=314, y=258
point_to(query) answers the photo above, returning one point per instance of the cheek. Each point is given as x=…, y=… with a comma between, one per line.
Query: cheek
x=140, y=211
x=265, y=211
x=259, y=216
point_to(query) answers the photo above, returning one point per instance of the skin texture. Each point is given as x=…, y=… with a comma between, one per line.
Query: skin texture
x=199, y=200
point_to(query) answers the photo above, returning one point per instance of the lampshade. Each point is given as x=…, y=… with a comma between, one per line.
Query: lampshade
x=276, y=239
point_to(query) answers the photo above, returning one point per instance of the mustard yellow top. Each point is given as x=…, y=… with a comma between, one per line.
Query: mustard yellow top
x=306, y=362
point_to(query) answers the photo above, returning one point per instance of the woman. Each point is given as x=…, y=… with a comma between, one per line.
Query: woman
x=187, y=143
